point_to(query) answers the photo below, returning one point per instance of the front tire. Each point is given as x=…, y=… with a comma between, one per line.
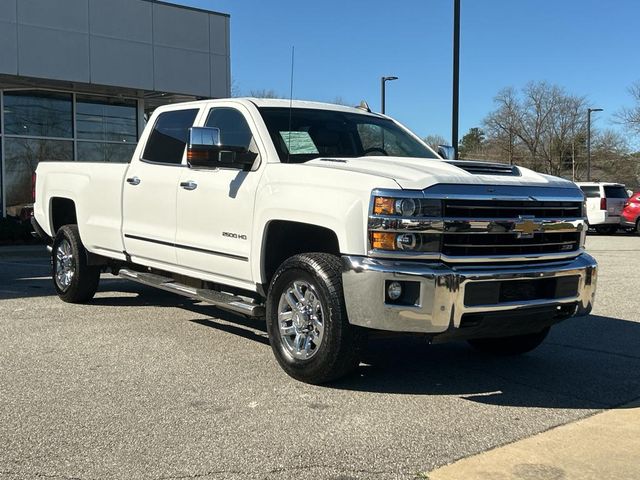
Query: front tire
x=73, y=279
x=516, y=345
x=307, y=320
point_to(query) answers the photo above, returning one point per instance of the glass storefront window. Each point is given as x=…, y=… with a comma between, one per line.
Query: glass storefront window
x=38, y=114
x=105, y=152
x=100, y=119
x=22, y=156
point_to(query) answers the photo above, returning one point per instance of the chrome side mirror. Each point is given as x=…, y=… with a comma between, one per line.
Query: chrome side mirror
x=204, y=136
x=447, y=152
x=206, y=150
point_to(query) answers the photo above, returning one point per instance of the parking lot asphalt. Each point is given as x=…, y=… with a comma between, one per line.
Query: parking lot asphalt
x=142, y=384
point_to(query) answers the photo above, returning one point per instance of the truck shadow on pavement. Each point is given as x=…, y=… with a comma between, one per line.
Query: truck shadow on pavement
x=586, y=363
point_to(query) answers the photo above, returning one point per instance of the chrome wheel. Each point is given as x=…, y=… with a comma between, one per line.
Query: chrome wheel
x=301, y=320
x=65, y=265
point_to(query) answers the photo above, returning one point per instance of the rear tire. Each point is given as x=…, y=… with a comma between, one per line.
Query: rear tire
x=73, y=279
x=307, y=320
x=516, y=345
x=637, y=230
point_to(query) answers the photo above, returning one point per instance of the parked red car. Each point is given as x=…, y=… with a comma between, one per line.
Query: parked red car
x=631, y=213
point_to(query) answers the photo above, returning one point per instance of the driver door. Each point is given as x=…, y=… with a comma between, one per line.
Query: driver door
x=215, y=207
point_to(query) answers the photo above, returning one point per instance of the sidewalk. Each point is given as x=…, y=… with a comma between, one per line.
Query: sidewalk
x=604, y=446
x=23, y=251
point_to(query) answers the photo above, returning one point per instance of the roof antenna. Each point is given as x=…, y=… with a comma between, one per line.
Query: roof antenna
x=293, y=50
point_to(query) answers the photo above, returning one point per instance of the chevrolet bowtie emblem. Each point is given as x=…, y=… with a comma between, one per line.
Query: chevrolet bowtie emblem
x=525, y=227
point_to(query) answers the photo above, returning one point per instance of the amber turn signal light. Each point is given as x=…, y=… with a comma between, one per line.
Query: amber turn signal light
x=383, y=240
x=383, y=206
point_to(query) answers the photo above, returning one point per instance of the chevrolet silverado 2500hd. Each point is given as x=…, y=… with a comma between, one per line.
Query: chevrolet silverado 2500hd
x=328, y=221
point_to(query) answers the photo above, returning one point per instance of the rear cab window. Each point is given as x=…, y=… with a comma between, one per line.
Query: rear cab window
x=169, y=137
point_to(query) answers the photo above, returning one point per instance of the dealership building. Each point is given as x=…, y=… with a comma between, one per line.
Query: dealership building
x=78, y=78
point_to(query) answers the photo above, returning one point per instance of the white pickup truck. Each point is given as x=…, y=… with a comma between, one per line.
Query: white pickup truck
x=328, y=221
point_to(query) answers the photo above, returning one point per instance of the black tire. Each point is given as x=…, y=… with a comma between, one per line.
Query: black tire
x=637, y=229
x=81, y=285
x=606, y=229
x=340, y=345
x=516, y=345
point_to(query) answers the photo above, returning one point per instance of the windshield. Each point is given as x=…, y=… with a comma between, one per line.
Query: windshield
x=302, y=134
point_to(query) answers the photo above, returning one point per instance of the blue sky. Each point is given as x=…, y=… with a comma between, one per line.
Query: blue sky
x=589, y=47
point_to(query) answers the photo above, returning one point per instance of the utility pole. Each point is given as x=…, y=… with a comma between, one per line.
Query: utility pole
x=589, y=111
x=456, y=76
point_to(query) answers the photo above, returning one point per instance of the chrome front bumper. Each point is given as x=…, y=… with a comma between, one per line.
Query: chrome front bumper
x=440, y=306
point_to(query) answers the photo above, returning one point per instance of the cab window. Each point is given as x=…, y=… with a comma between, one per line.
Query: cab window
x=234, y=129
x=169, y=137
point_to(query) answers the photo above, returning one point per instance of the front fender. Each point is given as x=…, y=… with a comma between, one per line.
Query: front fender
x=337, y=200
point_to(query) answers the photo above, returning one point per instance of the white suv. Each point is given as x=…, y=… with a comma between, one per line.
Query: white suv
x=605, y=202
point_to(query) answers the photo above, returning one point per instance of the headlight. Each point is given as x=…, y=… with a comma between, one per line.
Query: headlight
x=405, y=225
x=407, y=207
x=405, y=242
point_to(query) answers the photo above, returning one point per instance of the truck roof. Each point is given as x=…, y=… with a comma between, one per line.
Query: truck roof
x=278, y=103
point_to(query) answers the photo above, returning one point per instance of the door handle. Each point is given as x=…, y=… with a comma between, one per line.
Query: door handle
x=189, y=185
x=133, y=181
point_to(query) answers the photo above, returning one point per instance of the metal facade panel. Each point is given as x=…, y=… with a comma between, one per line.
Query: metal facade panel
x=219, y=28
x=220, y=73
x=121, y=19
x=8, y=11
x=9, y=50
x=182, y=71
x=124, y=43
x=180, y=28
x=54, y=54
x=71, y=15
x=121, y=63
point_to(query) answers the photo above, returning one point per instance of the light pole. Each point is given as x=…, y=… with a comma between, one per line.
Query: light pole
x=383, y=81
x=589, y=110
x=456, y=77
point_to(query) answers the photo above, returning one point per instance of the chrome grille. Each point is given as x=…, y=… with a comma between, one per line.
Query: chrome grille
x=504, y=209
x=490, y=244
x=504, y=230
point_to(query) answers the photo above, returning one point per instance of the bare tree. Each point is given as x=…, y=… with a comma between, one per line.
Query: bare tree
x=630, y=116
x=435, y=140
x=264, y=93
x=539, y=124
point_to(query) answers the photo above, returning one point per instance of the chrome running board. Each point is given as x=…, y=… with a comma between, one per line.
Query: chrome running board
x=225, y=301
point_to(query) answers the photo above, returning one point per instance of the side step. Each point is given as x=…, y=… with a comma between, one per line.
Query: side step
x=222, y=300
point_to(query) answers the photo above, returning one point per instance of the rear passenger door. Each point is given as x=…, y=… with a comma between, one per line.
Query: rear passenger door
x=149, y=191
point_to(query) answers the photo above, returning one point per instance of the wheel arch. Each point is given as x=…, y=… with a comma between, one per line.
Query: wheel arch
x=284, y=238
x=62, y=211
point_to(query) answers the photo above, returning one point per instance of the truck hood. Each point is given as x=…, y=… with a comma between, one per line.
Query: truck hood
x=421, y=173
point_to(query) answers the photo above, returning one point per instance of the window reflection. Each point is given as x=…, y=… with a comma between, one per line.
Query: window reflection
x=101, y=119
x=38, y=114
x=105, y=152
x=22, y=156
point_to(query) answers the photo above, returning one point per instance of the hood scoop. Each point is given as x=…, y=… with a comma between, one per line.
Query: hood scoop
x=485, y=168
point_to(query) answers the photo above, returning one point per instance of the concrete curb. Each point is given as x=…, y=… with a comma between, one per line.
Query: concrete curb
x=600, y=447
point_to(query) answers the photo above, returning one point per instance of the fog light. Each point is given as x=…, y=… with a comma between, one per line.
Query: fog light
x=394, y=290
